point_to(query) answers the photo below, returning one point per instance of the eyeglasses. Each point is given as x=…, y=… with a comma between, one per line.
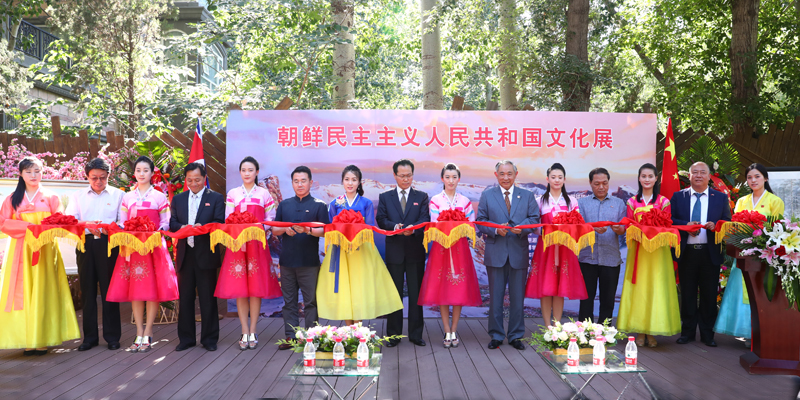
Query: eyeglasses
x=404, y=177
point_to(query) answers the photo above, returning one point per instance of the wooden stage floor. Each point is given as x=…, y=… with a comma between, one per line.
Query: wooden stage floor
x=471, y=371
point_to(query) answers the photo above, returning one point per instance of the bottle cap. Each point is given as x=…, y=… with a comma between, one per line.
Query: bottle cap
x=573, y=339
x=363, y=340
x=337, y=339
x=631, y=338
x=308, y=339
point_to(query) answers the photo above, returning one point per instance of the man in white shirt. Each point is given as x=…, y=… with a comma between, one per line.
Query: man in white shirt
x=98, y=203
x=700, y=260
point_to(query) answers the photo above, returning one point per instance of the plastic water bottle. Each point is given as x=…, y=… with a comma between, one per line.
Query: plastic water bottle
x=309, y=357
x=631, y=353
x=362, y=355
x=573, y=353
x=599, y=353
x=338, y=356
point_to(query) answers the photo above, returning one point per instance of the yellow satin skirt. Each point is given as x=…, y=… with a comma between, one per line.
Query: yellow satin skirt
x=48, y=316
x=366, y=289
x=650, y=305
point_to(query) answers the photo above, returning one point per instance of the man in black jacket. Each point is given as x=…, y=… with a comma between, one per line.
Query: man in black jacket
x=405, y=255
x=196, y=264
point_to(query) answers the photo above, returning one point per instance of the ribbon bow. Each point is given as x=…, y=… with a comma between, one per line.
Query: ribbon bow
x=238, y=217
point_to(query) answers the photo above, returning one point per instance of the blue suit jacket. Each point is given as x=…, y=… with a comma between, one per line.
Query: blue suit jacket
x=718, y=209
x=511, y=247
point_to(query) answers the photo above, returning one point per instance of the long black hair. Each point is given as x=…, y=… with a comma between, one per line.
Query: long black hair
x=19, y=192
x=146, y=160
x=450, y=167
x=763, y=170
x=357, y=173
x=564, y=194
x=656, y=187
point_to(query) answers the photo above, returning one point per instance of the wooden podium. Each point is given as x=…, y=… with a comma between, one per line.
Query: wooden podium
x=775, y=337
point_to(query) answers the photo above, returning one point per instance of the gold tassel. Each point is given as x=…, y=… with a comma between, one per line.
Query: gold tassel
x=565, y=239
x=728, y=228
x=49, y=236
x=349, y=246
x=129, y=244
x=235, y=244
x=447, y=241
x=635, y=234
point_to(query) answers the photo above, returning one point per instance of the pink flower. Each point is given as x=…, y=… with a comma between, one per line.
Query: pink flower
x=757, y=233
x=724, y=268
x=747, y=240
x=767, y=254
x=792, y=258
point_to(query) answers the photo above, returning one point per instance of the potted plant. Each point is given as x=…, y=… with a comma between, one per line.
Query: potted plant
x=323, y=339
x=556, y=338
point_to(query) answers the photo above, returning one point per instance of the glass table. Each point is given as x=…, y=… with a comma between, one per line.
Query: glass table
x=615, y=364
x=325, y=369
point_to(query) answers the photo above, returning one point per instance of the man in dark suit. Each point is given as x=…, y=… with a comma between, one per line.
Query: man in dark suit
x=196, y=264
x=506, y=251
x=700, y=260
x=405, y=255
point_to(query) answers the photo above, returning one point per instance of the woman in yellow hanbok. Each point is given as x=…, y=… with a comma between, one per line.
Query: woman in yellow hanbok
x=36, y=308
x=362, y=288
x=649, y=306
x=734, y=312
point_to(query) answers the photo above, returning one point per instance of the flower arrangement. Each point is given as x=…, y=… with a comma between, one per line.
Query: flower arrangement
x=323, y=338
x=572, y=217
x=776, y=242
x=587, y=332
x=140, y=224
x=238, y=217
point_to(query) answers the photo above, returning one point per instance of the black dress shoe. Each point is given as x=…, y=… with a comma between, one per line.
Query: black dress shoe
x=517, y=344
x=210, y=347
x=113, y=346
x=28, y=352
x=711, y=343
x=392, y=342
x=684, y=340
x=286, y=346
x=495, y=344
x=40, y=352
x=184, y=346
x=86, y=346
x=418, y=342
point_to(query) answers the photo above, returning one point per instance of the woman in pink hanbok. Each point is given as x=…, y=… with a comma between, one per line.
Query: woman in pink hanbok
x=450, y=278
x=144, y=280
x=247, y=275
x=555, y=272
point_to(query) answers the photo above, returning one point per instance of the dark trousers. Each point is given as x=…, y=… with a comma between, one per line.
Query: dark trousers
x=303, y=279
x=204, y=281
x=411, y=273
x=696, y=271
x=609, y=278
x=515, y=278
x=96, y=267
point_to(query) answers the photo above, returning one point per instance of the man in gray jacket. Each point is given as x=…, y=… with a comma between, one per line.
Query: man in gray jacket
x=506, y=251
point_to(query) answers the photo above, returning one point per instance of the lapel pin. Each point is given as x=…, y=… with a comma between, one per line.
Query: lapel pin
x=416, y=204
x=518, y=196
x=208, y=204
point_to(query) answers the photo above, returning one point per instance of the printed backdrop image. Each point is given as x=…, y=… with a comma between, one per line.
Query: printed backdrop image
x=328, y=140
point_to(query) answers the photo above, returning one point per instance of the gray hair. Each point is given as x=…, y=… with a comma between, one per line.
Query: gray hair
x=504, y=162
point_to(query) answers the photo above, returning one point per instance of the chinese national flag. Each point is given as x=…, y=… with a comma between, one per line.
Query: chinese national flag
x=670, y=183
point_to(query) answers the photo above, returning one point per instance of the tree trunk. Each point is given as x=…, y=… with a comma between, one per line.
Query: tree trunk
x=577, y=88
x=432, y=97
x=506, y=67
x=744, y=64
x=344, y=56
x=12, y=34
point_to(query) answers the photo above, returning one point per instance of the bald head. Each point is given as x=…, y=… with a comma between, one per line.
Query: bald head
x=698, y=176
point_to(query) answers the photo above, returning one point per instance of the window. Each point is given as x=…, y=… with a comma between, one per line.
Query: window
x=212, y=64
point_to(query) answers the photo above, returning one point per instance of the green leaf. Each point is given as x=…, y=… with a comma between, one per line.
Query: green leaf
x=770, y=282
x=156, y=148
